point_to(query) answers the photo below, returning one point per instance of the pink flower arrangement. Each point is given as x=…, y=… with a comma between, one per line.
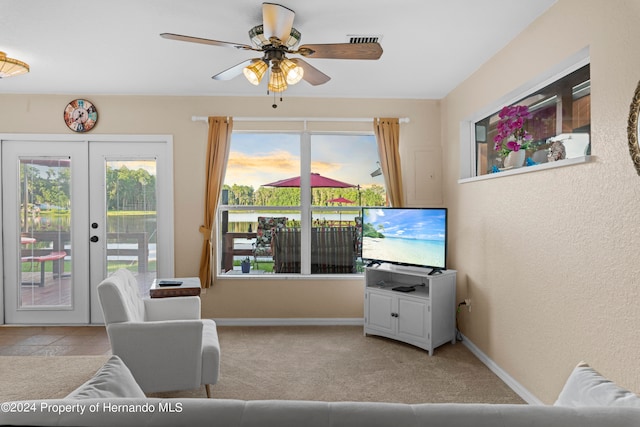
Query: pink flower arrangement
x=511, y=130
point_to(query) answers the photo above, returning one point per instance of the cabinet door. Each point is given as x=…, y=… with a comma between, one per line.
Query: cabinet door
x=413, y=319
x=380, y=307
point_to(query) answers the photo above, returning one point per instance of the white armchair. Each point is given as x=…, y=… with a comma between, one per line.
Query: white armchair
x=163, y=341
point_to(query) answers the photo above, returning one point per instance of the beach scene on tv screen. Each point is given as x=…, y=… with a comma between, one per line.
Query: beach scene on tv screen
x=407, y=236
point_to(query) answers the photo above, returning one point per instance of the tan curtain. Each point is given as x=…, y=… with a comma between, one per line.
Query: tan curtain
x=217, y=153
x=388, y=136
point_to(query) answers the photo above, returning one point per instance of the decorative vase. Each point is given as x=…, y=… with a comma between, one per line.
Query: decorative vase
x=514, y=159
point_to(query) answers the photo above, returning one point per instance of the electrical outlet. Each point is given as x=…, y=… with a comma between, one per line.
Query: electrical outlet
x=468, y=303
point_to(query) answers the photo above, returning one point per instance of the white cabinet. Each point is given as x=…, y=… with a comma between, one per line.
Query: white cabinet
x=424, y=317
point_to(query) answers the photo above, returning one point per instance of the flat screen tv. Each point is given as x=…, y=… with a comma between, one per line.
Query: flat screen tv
x=405, y=236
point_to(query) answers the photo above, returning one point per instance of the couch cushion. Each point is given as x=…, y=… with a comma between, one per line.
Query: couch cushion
x=586, y=387
x=266, y=225
x=112, y=380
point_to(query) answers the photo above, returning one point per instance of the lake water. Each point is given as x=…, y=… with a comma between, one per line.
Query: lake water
x=115, y=223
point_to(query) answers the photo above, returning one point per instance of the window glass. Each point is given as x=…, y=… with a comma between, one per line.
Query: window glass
x=257, y=160
x=343, y=166
x=556, y=122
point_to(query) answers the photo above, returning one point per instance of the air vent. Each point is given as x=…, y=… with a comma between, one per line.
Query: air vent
x=355, y=39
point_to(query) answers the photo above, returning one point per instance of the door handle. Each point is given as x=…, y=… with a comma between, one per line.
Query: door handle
x=94, y=239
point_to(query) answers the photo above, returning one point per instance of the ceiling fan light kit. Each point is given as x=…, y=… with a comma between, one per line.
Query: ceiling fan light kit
x=293, y=72
x=277, y=80
x=276, y=38
x=255, y=71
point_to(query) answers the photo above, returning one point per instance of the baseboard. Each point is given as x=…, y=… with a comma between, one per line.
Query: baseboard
x=514, y=385
x=348, y=321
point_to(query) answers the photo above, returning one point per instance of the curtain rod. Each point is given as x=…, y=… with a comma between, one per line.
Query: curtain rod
x=296, y=119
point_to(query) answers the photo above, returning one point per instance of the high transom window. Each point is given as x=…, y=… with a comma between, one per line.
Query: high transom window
x=558, y=124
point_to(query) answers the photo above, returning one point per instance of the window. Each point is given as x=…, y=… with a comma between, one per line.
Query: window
x=278, y=221
x=559, y=100
x=559, y=124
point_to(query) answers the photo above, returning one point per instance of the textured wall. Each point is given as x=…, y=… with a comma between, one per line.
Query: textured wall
x=253, y=298
x=549, y=258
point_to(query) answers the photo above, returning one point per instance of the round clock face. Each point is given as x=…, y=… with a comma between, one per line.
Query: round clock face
x=80, y=115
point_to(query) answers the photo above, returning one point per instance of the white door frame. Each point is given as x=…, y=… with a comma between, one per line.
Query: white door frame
x=165, y=253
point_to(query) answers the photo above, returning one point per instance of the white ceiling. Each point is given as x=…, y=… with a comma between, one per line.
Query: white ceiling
x=114, y=47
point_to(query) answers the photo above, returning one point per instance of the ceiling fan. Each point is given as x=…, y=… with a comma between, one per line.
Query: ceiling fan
x=276, y=38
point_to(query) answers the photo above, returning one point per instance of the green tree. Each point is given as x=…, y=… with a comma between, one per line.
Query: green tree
x=242, y=195
x=130, y=189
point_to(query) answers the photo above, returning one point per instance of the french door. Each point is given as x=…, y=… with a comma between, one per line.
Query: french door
x=73, y=212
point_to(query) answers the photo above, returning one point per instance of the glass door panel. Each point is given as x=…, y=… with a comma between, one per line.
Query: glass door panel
x=131, y=219
x=45, y=233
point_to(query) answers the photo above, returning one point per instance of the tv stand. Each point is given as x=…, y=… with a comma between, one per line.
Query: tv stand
x=425, y=317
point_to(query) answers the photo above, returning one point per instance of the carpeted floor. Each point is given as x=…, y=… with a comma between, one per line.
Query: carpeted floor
x=333, y=363
x=51, y=377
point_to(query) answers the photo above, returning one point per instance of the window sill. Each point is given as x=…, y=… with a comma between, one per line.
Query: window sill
x=528, y=169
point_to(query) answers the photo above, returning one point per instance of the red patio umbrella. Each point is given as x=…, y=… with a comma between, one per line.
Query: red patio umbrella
x=317, y=181
x=340, y=200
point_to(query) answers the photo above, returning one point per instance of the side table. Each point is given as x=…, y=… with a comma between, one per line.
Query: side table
x=190, y=287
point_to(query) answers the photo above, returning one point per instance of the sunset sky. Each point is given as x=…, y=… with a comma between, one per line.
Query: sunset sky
x=257, y=159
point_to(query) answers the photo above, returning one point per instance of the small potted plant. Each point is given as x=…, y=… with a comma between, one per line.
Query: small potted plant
x=245, y=265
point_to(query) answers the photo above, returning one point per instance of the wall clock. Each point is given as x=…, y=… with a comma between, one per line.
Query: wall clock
x=80, y=115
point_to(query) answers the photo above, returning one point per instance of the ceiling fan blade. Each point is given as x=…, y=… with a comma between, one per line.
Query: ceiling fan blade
x=277, y=21
x=311, y=74
x=234, y=71
x=190, y=39
x=341, y=50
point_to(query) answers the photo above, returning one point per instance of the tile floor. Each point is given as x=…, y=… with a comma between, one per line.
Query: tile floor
x=54, y=341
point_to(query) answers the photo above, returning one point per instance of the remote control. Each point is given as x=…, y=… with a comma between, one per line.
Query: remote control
x=169, y=283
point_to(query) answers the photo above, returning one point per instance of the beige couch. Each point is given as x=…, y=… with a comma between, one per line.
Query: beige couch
x=112, y=398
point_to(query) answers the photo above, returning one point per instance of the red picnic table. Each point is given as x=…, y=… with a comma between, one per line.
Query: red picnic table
x=53, y=256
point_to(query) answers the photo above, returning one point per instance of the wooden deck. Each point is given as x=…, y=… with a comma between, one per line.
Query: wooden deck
x=57, y=290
